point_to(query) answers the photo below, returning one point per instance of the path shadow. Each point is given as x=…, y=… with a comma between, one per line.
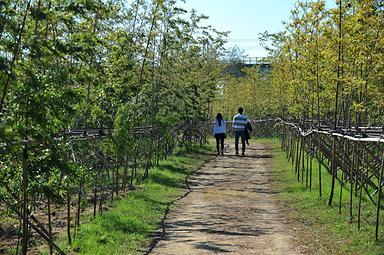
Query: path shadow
x=215, y=248
x=259, y=148
x=248, y=156
x=173, y=168
x=257, y=190
x=259, y=156
x=256, y=232
x=160, y=178
x=211, y=225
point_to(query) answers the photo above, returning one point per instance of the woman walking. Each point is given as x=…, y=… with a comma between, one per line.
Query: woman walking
x=219, y=131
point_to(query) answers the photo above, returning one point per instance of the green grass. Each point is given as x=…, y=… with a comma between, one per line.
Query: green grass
x=317, y=226
x=128, y=226
x=8, y=227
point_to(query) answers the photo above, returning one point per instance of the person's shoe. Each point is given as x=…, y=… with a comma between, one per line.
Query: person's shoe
x=222, y=153
x=237, y=154
x=243, y=154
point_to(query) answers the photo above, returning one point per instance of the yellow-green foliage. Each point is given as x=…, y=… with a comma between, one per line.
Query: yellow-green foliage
x=310, y=58
x=307, y=65
x=252, y=92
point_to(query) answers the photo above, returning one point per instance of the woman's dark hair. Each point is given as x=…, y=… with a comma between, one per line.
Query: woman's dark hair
x=219, y=118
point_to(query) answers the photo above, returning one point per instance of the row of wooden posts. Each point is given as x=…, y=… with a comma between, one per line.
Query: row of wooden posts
x=355, y=162
x=353, y=159
x=150, y=146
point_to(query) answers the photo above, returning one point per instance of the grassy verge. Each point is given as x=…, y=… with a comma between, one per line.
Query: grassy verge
x=130, y=223
x=320, y=228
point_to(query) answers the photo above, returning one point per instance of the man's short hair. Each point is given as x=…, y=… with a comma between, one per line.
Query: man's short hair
x=240, y=110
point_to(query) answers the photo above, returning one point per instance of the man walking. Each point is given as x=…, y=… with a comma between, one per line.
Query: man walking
x=239, y=125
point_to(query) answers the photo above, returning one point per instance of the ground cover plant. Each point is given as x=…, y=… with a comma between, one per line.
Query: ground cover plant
x=320, y=228
x=133, y=221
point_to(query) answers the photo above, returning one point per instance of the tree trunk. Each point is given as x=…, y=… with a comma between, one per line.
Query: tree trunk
x=25, y=201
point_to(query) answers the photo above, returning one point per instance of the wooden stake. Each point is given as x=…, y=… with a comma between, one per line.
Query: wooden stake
x=379, y=196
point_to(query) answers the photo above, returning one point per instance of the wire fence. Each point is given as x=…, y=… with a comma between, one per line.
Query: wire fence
x=89, y=169
x=354, y=157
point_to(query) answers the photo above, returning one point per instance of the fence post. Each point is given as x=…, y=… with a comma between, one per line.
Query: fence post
x=25, y=200
x=379, y=196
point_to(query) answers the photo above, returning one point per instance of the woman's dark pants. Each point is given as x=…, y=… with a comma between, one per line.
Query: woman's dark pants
x=220, y=139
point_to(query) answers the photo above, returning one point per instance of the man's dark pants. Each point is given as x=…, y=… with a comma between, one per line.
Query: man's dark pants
x=237, y=135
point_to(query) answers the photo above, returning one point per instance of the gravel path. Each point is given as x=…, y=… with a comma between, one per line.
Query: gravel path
x=231, y=210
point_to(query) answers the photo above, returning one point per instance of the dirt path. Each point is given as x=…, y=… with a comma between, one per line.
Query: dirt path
x=230, y=210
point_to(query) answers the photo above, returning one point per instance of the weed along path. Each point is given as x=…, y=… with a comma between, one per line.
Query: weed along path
x=231, y=209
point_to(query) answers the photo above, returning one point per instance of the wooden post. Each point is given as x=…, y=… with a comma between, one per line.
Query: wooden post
x=299, y=160
x=353, y=166
x=95, y=189
x=361, y=188
x=290, y=148
x=101, y=184
x=117, y=175
x=113, y=181
x=69, y=215
x=311, y=159
x=303, y=160
x=25, y=201
x=345, y=153
x=50, y=226
x=357, y=166
x=319, y=158
x=77, y=223
x=298, y=156
x=307, y=168
x=379, y=196
x=333, y=167
x=294, y=150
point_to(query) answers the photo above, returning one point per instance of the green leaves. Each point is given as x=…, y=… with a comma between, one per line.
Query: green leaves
x=112, y=65
x=315, y=53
